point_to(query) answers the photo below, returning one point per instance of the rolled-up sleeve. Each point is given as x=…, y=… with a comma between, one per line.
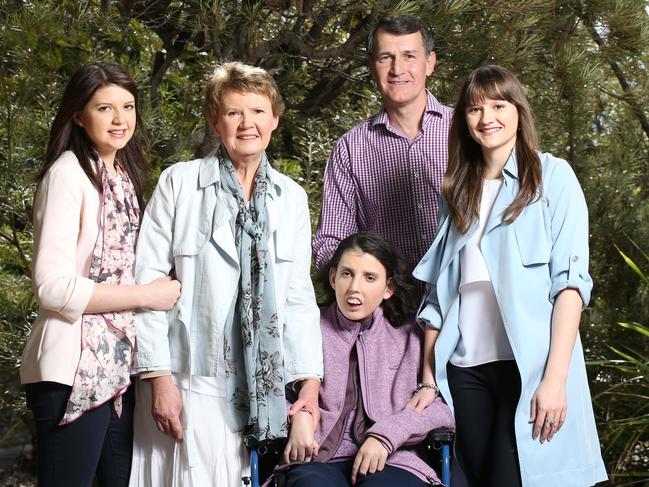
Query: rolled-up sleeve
x=428, y=269
x=338, y=215
x=430, y=313
x=301, y=335
x=57, y=209
x=569, y=230
x=153, y=259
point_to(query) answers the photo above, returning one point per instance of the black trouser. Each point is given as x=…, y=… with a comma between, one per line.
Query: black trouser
x=98, y=442
x=484, y=400
x=338, y=474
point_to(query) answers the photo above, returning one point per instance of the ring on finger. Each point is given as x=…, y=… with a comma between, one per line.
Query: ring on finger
x=550, y=421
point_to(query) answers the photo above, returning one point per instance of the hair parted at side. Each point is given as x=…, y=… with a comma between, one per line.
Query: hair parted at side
x=65, y=134
x=463, y=180
x=403, y=303
x=241, y=78
x=400, y=25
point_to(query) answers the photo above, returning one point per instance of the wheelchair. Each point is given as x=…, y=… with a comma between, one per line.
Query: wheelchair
x=437, y=447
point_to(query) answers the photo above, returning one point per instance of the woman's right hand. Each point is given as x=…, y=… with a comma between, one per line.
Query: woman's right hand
x=301, y=445
x=166, y=405
x=162, y=293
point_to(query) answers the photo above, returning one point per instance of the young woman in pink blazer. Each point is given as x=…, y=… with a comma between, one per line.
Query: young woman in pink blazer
x=78, y=359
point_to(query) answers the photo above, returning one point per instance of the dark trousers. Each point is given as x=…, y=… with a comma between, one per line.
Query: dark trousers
x=98, y=443
x=484, y=399
x=339, y=474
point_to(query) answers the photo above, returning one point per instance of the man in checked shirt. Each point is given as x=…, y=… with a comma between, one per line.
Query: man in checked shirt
x=385, y=174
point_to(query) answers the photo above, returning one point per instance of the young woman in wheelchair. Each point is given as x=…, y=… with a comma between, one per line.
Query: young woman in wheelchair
x=372, y=351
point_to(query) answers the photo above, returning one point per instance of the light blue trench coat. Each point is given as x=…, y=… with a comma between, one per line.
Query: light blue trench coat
x=189, y=227
x=530, y=261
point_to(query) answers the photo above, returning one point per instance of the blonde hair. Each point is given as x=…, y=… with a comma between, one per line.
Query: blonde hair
x=242, y=78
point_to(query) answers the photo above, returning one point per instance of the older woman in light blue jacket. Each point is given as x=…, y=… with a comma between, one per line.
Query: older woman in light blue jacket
x=236, y=233
x=507, y=278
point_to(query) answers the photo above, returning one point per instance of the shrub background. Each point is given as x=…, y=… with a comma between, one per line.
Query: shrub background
x=584, y=63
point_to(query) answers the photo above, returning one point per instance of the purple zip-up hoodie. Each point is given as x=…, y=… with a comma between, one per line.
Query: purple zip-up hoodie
x=389, y=361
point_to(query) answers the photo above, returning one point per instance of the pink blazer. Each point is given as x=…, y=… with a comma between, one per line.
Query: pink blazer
x=66, y=226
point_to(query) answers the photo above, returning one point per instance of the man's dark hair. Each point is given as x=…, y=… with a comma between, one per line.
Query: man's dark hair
x=400, y=25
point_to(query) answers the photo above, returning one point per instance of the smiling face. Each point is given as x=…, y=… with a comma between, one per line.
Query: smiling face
x=493, y=124
x=400, y=67
x=109, y=120
x=360, y=283
x=244, y=124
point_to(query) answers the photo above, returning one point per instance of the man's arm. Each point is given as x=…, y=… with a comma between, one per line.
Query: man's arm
x=339, y=205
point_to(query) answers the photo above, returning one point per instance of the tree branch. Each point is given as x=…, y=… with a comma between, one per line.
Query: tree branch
x=628, y=96
x=295, y=44
x=14, y=241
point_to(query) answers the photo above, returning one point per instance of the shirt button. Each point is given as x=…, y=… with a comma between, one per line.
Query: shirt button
x=424, y=236
x=574, y=258
x=415, y=175
x=420, y=206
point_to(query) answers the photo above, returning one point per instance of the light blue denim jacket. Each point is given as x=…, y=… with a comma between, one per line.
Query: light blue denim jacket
x=188, y=228
x=544, y=251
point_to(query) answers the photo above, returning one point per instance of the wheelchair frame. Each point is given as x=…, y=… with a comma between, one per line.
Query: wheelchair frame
x=441, y=439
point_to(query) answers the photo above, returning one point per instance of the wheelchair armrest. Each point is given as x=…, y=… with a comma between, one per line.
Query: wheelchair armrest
x=441, y=435
x=439, y=443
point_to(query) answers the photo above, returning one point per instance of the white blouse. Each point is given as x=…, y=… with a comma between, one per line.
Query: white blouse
x=482, y=333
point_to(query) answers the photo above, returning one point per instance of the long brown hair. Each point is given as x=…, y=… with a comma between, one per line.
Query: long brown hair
x=463, y=180
x=65, y=134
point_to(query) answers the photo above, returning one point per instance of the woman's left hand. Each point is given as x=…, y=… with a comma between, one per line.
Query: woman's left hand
x=308, y=400
x=371, y=458
x=421, y=399
x=549, y=407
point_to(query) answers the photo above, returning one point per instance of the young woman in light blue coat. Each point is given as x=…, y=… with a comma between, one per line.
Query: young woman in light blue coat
x=507, y=279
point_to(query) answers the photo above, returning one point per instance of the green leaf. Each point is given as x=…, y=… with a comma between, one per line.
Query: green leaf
x=633, y=265
x=635, y=327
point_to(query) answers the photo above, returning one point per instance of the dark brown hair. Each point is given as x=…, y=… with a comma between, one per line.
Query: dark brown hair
x=463, y=180
x=402, y=305
x=400, y=25
x=65, y=134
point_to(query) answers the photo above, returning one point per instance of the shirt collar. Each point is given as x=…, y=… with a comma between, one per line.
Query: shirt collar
x=348, y=328
x=511, y=167
x=433, y=106
x=209, y=173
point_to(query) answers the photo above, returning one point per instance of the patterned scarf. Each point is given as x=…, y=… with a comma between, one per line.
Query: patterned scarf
x=253, y=349
x=107, y=339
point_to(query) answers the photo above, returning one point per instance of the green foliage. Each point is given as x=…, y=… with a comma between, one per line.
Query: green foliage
x=583, y=63
x=625, y=400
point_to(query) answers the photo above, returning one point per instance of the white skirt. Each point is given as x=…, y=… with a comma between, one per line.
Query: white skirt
x=158, y=461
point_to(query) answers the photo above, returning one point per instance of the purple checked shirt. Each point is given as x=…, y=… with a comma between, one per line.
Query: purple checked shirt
x=377, y=179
